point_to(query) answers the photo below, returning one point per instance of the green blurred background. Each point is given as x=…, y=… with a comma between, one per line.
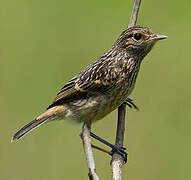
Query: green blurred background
x=43, y=44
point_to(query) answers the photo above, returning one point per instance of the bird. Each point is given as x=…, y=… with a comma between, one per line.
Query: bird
x=102, y=86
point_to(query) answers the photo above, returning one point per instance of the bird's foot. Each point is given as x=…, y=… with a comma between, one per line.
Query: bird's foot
x=129, y=102
x=115, y=149
x=121, y=151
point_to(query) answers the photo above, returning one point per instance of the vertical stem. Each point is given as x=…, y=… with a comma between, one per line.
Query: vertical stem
x=134, y=14
x=117, y=161
x=120, y=125
x=88, y=151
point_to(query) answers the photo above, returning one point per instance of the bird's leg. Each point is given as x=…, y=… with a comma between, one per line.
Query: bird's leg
x=117, y=149
x=129, y=102
x=101, y=149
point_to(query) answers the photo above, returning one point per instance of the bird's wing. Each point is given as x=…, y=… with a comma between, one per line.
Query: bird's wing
x=67, y=92
x=95, y=79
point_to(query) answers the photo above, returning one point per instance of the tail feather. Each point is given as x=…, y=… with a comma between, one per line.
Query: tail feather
x=47, y=116
x=27, y=128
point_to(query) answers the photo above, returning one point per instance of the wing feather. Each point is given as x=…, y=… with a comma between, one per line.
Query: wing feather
x=95, y=79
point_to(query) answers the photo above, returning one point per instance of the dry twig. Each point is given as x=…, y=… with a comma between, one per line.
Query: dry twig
x=117, y=160
x=134, y=14
x=88, y=151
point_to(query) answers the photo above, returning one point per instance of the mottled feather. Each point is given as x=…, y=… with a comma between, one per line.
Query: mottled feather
x=96, y=78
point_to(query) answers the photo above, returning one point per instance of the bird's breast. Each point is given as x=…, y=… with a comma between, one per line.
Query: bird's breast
x=97, y=106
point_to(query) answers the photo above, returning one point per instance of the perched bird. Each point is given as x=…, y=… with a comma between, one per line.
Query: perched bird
x=104, y=85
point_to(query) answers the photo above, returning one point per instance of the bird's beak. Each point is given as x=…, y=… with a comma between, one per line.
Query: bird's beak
x=159, y=37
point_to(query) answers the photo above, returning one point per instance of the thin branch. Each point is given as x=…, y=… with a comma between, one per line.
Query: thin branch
x=134, y=14
x=117, y=161
x=88, y=151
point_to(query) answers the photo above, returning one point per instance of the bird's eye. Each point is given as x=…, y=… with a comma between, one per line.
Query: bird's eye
x=137, y=36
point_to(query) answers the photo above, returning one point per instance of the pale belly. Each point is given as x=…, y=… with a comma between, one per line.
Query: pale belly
x=96, y=107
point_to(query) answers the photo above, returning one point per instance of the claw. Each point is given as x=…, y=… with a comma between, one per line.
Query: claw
x=115, y=149
x=129, y=102
x=121, y=151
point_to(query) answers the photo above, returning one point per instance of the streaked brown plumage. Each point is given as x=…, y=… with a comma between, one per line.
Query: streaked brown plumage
x=104, y=85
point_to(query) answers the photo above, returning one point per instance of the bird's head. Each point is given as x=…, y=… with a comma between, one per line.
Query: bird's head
x=137, y=40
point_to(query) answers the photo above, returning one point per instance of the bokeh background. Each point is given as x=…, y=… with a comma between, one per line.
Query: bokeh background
x=44, y=43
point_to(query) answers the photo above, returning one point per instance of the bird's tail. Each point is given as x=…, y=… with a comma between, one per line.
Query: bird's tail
x=45, y=117
x=28, y=128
